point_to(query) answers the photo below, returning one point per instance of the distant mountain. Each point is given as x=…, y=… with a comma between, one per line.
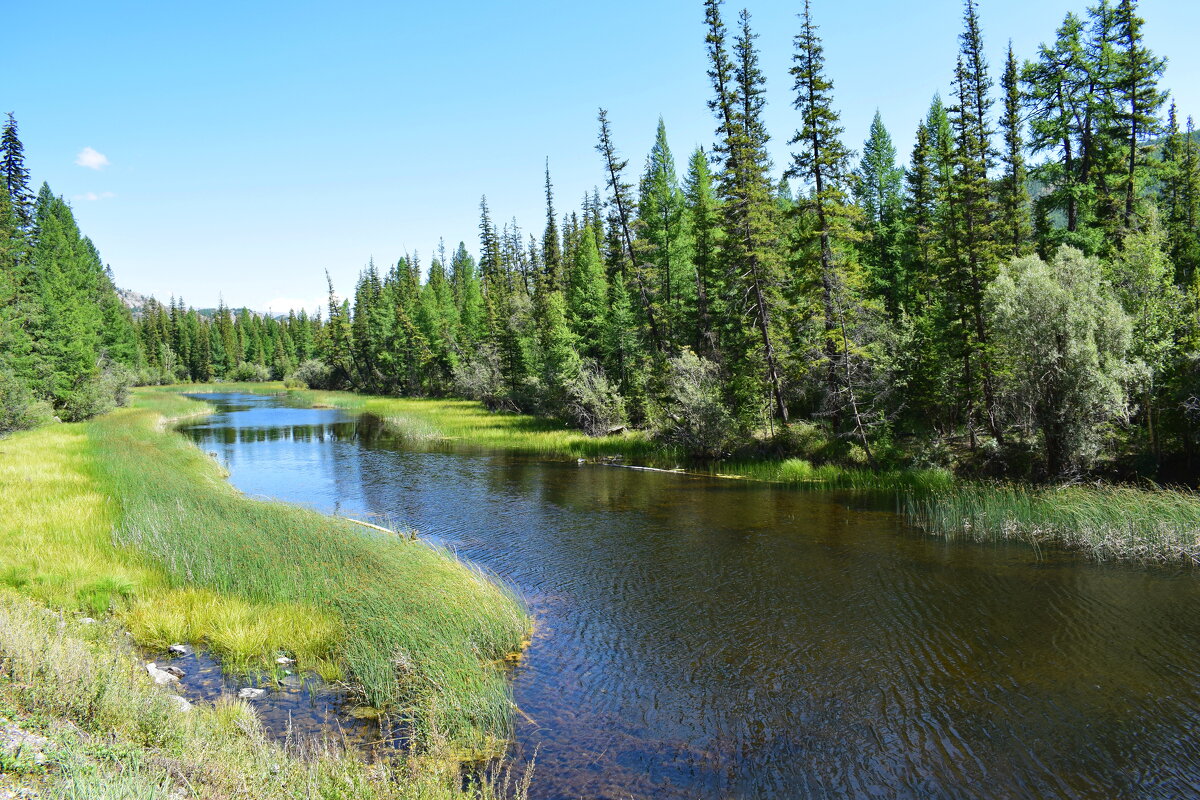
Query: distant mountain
x=137, y=302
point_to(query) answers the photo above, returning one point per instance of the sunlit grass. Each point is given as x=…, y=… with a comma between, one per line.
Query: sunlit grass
x=1104, y=521
x=113, y=734
x=420, y=633
x=116, y=515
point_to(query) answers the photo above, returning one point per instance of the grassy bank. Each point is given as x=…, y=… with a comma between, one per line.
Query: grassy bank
x=1106, y=522
x=116, y=514
x=103, y=732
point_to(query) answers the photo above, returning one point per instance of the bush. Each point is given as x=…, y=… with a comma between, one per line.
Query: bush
x=19, y=408
x=694, y=416
x=246, y=372
x=99, y=393
x=479, y=377
x=593, y=403
x=313, y=374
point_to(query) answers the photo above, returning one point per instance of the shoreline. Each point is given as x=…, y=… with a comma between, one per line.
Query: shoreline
x=121, y=519
x=1103, y=521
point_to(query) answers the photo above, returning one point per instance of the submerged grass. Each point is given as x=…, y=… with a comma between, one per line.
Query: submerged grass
x=116, y=515
x=113, y=734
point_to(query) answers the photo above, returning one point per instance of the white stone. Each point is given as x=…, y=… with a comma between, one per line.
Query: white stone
x=250, y=693
x=160, y=676
x=180, y=703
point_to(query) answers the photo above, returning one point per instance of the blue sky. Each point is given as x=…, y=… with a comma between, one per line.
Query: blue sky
x=243, y=148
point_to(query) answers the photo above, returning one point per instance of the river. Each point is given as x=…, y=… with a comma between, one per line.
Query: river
x=708, y=638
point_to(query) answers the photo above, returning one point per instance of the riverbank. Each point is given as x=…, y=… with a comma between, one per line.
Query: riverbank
x=117, y=519
x=1106, y=522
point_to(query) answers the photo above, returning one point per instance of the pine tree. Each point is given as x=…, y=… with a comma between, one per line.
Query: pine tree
x=823, y=161
x=751, y=244
x=1135, y=88
x=614, y=167
x=552, y=256
x=704, y=224
x=879, y=191
x=1012, y=191
x=662, y=242
x=975, y=264
x=14, y=173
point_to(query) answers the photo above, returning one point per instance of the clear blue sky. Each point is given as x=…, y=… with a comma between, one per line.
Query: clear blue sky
x=244, y=148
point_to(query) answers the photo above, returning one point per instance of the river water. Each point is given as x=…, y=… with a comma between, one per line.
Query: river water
x=701, y=638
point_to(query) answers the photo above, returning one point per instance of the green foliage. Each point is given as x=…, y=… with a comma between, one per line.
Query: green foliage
x=1064, y=341
x=246, y=372
x=694, y=417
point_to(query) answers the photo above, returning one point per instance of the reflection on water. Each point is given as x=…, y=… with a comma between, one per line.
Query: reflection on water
x=705, y=638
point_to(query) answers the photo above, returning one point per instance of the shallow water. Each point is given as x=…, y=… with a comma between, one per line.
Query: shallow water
x=715, y=639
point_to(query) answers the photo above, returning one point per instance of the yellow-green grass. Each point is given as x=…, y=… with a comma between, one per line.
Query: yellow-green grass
x=118, y=514
x=114, y=735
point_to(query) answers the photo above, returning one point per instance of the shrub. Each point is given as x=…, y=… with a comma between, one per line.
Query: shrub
x=19, y=408
x=592, y=402
x=313, y=374
x=246, y=372
x=99, y=393
x=694, y=416
x=479, y=377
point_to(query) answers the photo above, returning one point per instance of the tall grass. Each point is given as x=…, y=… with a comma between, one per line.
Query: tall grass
x=115, y=515
x=113, y=734
x=420, y=633
x=1107, y=522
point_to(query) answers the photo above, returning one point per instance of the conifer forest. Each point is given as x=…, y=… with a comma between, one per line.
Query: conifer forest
x=1016, y=297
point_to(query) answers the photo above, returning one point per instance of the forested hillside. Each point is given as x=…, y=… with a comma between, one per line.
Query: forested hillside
x=854, y=310
x=67, y=342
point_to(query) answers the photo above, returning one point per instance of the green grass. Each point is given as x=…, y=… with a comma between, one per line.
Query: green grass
x=115, y=736
x=117, y=515
x=1106, y=522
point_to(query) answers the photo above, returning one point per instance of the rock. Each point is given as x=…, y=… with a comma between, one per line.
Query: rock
x=180, y=650
x=284, y=661
x=160, y=676
x=86, y=621
x=17, y=742
x=292, y=681
x=251, y=693
x=180, y=703
x=176, y=671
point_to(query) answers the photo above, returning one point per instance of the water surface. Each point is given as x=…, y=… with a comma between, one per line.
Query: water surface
x=700, y=638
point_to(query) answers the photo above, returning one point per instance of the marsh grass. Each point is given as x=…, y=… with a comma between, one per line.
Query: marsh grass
x=116, y=515
x=1106, y=522
x=420, y=634
x=115, y=735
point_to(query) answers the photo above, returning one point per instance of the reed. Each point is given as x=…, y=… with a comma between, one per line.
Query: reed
x=1106, y=522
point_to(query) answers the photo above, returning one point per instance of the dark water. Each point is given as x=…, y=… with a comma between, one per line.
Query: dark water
x=720, y=639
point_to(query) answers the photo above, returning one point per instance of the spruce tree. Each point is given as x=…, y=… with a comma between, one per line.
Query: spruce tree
x=662, y=241
x=879, y=191
x=1012, y=191
x=751, y=244
x=704, y=224
x=14, y=173
x=822, y=160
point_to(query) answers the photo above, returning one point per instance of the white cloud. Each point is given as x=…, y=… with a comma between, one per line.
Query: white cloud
x=91, y=159
x=92, y=197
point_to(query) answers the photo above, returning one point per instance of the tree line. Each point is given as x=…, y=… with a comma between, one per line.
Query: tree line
x=1019, y=298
